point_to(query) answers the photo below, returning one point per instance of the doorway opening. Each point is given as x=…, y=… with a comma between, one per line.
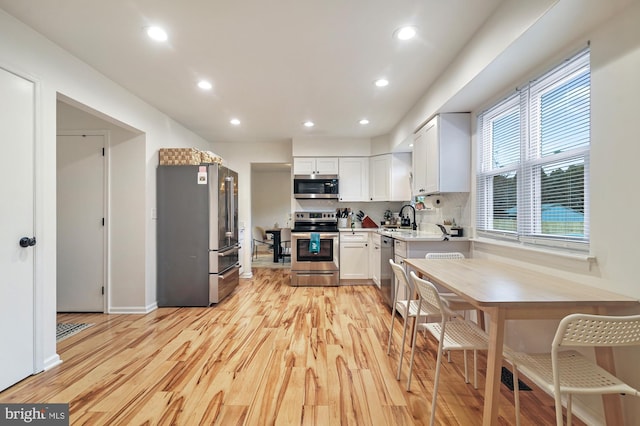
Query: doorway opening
x=112, y=207
x=270, y=212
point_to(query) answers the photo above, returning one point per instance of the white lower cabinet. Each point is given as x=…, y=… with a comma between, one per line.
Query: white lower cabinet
x=374, y=258
x=418, y=249
x=400, y=254
x=354, y=255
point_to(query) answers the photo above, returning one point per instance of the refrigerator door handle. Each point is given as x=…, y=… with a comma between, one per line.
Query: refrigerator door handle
x=228, y=252
x=231, y=270
x=230, y=207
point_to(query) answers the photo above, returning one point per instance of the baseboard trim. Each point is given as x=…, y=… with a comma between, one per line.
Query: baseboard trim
x=51, y=362
x=134, y=309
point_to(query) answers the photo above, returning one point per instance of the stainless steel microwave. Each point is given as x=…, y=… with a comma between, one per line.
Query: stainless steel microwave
x=315, y=186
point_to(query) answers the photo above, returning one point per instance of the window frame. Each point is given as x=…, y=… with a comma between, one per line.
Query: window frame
x=529, y=207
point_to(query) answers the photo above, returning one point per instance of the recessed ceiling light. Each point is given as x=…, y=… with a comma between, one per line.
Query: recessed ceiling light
x=410, y=145
x=234, y=121
x=382, y=82
x=309, y=124
x=364, y=121
x=204, y=85
x=405, y=33
x=157, y=34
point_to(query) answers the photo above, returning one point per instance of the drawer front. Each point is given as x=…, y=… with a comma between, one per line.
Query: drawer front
x=221, y=285
x=375, y=238
x=311, y=278
x=400, y=248
x=354, y=237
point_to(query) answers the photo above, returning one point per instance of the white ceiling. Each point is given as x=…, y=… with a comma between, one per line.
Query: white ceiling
x=273, y=63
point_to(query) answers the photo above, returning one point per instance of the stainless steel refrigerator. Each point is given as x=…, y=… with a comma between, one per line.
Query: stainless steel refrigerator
x=197, y=234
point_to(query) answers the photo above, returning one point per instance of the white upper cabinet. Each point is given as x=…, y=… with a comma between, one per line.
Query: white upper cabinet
x=389, y=177
x=383, y=177
x=354, y=178
x=442, y=155
x=315, y=166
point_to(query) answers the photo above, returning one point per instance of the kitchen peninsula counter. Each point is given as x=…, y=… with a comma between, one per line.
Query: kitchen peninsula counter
x=360, y=254
x=409, y=235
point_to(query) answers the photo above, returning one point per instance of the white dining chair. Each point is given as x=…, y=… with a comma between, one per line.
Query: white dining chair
x=285, y=243
x=409, y=309
x=453, y=301
x=259, y=237
x=452, y=333
x=568, y=372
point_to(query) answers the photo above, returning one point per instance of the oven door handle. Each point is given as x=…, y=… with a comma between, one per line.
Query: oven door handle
x=307, y=235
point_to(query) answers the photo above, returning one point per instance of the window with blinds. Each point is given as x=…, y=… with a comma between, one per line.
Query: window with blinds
x=532, y=176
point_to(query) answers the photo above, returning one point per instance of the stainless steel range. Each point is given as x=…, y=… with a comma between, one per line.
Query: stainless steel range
x=315, y=267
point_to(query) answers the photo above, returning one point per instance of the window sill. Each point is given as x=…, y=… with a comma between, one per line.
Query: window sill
x=543, y=256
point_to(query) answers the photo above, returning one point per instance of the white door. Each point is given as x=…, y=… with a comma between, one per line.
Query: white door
x=16, y=222
x=80, y=230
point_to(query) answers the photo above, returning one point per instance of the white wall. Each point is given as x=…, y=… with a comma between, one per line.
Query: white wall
x=239, y=158
x=615, y=151
x=327, y=147
x=271, y=198
x=55, y=71
x=615, y=60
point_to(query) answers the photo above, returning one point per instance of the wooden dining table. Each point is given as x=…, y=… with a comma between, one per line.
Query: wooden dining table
x=275, y=232
x=508, y=292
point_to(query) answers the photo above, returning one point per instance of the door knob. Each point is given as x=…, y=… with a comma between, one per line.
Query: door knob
x=27, y=242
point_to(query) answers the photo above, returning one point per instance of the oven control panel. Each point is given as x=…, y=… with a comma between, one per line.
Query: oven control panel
x=303, y=216
x=318, y=221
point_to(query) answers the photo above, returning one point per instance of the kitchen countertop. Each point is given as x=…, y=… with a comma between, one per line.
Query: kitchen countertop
x=405, y=234
x=358, y=229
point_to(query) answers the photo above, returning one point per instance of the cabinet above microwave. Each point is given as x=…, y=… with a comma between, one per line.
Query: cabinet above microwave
x=315, y=166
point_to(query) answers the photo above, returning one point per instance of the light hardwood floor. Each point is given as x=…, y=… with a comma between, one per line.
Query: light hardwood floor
x=268, y=354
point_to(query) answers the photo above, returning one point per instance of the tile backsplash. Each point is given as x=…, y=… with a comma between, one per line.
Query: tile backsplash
x=451, y=206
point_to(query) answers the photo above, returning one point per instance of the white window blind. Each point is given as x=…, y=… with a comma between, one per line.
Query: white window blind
x=532, y=179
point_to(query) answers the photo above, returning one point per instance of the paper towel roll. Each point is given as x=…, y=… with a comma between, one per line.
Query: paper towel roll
x=432, y=202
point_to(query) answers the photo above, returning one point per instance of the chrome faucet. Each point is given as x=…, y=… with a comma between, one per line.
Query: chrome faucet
x=414, y=225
